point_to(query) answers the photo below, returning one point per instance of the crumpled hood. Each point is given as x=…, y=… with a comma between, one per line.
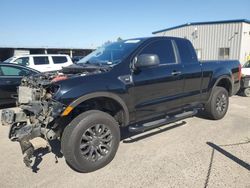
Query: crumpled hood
x=72, y=71
x=76, y=69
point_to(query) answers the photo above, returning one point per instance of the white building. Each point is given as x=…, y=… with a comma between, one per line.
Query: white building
x=215, y=40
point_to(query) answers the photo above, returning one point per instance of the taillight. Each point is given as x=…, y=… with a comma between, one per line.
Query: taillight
x=239, y=74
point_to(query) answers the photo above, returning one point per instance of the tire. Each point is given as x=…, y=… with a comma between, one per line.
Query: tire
x=246, y=92
x=217, y=106
x=90, y=141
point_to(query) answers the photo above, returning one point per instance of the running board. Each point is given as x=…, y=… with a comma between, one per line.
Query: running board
x=161, y=122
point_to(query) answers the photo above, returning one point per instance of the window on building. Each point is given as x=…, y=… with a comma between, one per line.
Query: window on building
x=59, y=59
x=224, y=53
x=41, y=60
x=162, y=48
x=199, y=53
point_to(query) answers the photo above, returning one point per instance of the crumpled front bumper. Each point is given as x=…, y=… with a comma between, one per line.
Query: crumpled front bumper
x=9, y=116
x=31, y=136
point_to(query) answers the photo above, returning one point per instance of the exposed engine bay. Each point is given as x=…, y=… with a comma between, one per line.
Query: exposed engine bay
x=35, y=123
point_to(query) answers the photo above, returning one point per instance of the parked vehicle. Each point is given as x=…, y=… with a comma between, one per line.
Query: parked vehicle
x=42, y=62
x=10, y=79
x=245, y=80
x=246, y=69
x=139, y=83
x=245, y=86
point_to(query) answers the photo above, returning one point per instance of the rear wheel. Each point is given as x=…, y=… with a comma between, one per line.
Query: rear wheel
x=217, y=106
x=90, y=141
x=246, y=92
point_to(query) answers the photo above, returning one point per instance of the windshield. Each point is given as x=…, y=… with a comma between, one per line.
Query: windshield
x=9, y=60
x=111, y=54
x=247, y=64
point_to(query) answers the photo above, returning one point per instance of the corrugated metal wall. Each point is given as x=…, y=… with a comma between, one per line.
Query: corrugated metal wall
x=245, y=43
x=209, y=38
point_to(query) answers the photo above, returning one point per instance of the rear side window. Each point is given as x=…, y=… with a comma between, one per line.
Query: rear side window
x=186, y=51
x=162, y=48
x=42, y=60
x=59, y=59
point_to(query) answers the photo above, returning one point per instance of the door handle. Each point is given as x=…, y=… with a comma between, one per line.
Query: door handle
x=9, y=82
x=174, y=73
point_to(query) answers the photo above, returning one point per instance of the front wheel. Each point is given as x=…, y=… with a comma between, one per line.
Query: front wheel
x=217, y=106
x=90, y=141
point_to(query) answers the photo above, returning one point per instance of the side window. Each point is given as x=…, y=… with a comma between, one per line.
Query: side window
x=13, y=71
x=59, y=59
x=41, y=60
x=162, y=48
x=199, y=53
x=22, y=61
x=246, y=65
x=186, y=51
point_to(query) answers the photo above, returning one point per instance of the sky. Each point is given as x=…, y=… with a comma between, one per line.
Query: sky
x=89, y=24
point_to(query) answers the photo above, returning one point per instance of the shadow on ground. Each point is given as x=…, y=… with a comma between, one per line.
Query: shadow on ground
x=39, y=153
x=219, y=149
x=125, y=134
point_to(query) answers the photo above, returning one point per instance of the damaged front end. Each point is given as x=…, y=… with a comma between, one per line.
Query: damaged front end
x=33, y=123
x=41, y=118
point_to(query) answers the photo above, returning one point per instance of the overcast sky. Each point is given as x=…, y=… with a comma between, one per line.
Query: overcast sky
x=87, y=24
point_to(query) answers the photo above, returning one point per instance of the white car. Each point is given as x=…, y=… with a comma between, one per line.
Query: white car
x=246, y=69
x=42, y=62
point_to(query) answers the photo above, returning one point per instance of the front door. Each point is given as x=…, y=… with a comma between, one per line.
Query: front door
x=10, y=79
x=158, y=89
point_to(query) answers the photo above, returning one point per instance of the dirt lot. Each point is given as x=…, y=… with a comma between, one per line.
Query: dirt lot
x=192, y=153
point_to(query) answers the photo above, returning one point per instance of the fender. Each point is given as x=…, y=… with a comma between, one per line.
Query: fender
x=225, y=77
x=102, y=94
x=218, y=80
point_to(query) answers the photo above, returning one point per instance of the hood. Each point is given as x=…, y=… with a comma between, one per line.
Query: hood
x=84, y=68
x=72, y=71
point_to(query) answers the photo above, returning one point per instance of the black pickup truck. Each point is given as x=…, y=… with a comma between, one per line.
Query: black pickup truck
x=140, y=83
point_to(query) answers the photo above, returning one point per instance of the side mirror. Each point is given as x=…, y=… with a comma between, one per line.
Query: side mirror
x=146, y=60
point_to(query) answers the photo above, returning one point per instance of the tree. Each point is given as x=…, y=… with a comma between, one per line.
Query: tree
x=119, y=39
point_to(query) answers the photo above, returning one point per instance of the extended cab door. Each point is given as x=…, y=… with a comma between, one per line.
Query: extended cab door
x=192, y=72
x=158, y=89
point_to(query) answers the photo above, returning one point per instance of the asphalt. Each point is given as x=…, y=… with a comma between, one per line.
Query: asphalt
x=193, y=153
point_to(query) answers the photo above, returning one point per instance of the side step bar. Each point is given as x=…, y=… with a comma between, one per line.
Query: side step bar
x=160, y=122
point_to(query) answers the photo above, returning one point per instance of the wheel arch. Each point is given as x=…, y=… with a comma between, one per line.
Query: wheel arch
x=108, y=95
x=225, y=82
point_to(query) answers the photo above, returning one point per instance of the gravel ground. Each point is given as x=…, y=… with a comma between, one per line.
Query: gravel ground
x=193, y=153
